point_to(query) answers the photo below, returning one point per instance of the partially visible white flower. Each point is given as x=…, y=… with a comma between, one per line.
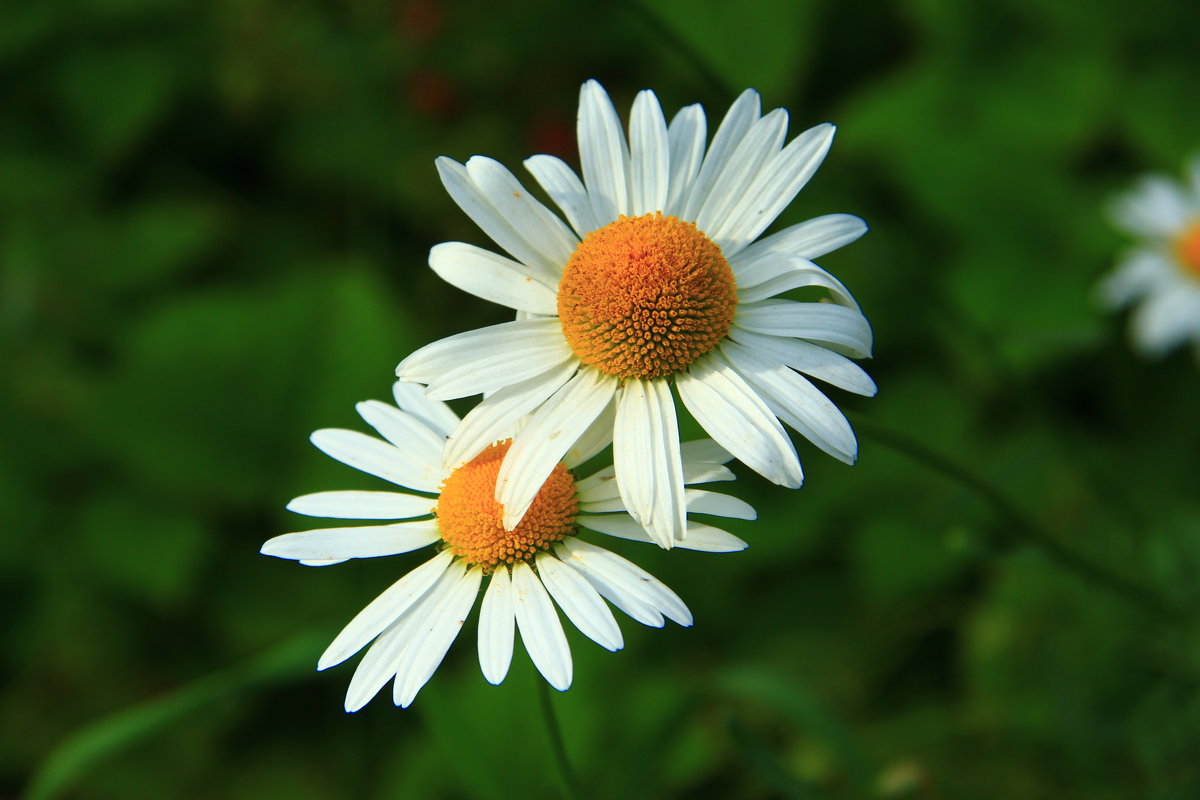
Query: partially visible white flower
x=1161, y=275
x=529, y=569
x=654, y=280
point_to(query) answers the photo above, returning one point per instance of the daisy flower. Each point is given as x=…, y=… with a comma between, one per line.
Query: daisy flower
x=539, y=563
x=1162, y=273
x=655, y=279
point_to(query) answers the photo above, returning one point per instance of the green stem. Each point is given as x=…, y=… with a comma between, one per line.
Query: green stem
x=556, y=739
x=1022, y=526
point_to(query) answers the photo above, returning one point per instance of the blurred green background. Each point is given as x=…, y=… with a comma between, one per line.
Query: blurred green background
x=215, y=218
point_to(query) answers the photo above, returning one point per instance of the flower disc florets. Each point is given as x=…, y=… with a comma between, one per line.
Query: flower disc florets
x=470, y=518
x=644, y=297
x=1187, y=249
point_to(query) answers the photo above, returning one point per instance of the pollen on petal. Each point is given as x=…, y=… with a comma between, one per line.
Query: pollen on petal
x=471, y=521
x=644, y=297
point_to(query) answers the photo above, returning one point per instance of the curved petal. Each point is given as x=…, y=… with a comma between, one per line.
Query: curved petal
x=548, y=234
x=362, y=505
x=635, y=607
x=649, y=164
x=776, y=185
x=470, y=198
x=719, y=505
x=734, y=415
x=497, y=416
x=841, y=329
x=796, y=401
x=411, y=398
x=685, y=140
x=646, y=456
x=760, y=144
x=380, y=663
x=367, y=541
x=565, y=189
x=579, y=601
x=598, y=436
x=625, y=576
x=810, y=239
x=811, y=359
x=602, y=485
x=603, y=154
x=541, y=632
x=377, y=458
x=622, y=526
x=547, y=436
x=493, y=277
x=422, y=444
x=433, y=637
x=741, y=115
x=704, y=451
x=770, y=273
x=496, y=621
x=384, y=610
x=487, y=359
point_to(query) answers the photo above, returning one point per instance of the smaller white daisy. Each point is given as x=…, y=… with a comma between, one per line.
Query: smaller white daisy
x=415, y=621
x=1162, y=272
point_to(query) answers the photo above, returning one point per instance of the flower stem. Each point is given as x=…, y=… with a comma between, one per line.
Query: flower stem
x=1023, y=526
x=556, y=739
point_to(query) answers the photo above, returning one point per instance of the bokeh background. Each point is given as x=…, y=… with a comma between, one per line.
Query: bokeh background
x=215, y=218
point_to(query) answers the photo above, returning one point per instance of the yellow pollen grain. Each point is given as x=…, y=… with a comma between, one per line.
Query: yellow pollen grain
x=471, y=520
x=1187, y=249
x=644, y=297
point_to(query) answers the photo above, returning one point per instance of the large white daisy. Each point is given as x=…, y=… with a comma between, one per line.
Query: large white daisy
x=1162, y=272
x=654, y=279
x=540, y=560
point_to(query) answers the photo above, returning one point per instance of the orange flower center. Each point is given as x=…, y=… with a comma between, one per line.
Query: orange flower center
x=1187, y=249
x=644, y=297
x=470, y=519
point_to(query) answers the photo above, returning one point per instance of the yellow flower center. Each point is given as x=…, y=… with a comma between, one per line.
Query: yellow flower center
x=470, y=519
x=644, y=297
x=1187, y=249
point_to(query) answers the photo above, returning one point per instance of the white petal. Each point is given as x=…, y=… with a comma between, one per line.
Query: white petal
x=497, y=416
x=624, y=575
x=378, y=458
x=367, y=541
x=704, y=451
x=496, y=620
x=649, y=165
x=380, y=663
x=685, y=138
x=622, y=526
x=433, y=638
x=550, y=432
x=707, y=539
x=548, y=234
x=741, y=115
x=841, y=329
x=541, y=632
x=598, y=436
x=755, y=151
x=602, y=485
x=470, y=198
x=1134, y=277
x=720, y=505
x=796, y=401
x=733, y=414
x=809, y=358
x=565, y=189
x=487, y=359
x=637, y=608
x=493, y=277
x=1166, y=319
x=411, y=398
x=646, y=457
x=579, y=601
x=421, y=443
x=811, y=239
x=603, y=154
x=362, y=505
x=1155, y=207
x=384, y=610
x=773, y=189
x=770, y=273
